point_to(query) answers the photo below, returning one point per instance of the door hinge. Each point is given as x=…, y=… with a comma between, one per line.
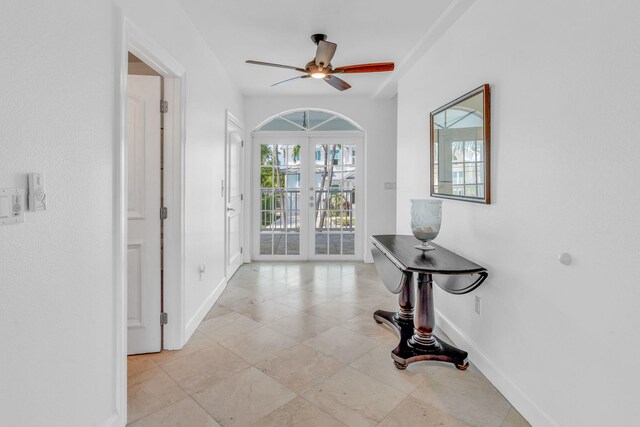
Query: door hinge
x=242, y=197
x=241, y=249
x=164, y=212
x=242, y=143
x=164, y=319
x=164, y=106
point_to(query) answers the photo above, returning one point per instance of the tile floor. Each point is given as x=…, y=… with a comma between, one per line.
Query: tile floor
x=294, y=344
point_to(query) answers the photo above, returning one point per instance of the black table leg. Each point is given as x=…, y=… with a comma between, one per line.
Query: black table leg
x=402, y=321
x=417, y=341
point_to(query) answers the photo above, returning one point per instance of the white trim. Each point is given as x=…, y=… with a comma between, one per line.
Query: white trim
x=113, y=421
x=236, y=121
x=130, y=39
x=514, y=394
x=174, y=227
x=120, y=228
x=284, y=113
x=389, y=88
x=307, y=134
x=204, y=308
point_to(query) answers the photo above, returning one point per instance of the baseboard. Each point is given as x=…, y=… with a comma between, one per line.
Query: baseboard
x=514, y=394
x=204, y=308
x=113, y=421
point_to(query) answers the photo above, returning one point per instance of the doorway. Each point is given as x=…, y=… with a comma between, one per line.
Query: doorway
x=133, y=41
x=307, y=194
x=144, y=221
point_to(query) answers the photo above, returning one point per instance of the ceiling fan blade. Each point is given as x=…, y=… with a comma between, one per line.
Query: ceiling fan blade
x=325, y=53
x=337, y=83
x=365, y=68
x=269, y=64
x=288, y=80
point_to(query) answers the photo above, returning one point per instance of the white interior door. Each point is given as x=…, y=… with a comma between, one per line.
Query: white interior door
x=234, y=197
x=143, y=255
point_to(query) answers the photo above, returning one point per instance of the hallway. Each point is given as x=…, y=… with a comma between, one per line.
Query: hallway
x=295, y=344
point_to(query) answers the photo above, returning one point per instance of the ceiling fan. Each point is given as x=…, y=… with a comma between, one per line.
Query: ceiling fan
x=320, y=67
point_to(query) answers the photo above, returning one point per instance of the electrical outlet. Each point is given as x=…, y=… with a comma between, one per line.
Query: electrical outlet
x=478, y=305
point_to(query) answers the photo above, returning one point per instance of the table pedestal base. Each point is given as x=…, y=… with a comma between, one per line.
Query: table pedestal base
x=407, y=352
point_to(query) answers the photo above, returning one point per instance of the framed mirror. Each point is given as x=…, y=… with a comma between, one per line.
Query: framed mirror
x=460, y=148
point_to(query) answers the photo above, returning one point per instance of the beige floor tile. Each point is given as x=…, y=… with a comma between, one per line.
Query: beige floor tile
x=301, y=300
x=467, y=395
x=366, y=326
x=236, y=298
x=267, y=288
x=413, y=412
x=286, y=273
x=378, y=364
x=243, y=398
x=217, y=310
x=514, y=419
x=258, y=344
x=186, y=413
x=328, y=306
x=197, y=342
x=330, y=288
x=204, y=368
x=300, y=367
x=298, y=413
x=369, y=301
x=301, y=326
x=335, y=310
x=267, y=312
x=342, y=344
x=150, y=391
x=354, y=398
x=227, y=326
x=139, y=363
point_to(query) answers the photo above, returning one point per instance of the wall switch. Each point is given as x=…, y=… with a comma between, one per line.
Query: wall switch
x=11, y=206
x=37, y=196
x=478, y=305
x=389, y=185
x=203, y=269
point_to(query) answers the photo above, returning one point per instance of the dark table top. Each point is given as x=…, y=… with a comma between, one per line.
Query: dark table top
x=438, y=261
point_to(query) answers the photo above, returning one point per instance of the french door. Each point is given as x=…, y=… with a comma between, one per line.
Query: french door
x=307, y=198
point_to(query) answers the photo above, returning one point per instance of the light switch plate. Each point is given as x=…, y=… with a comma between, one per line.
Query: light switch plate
x=37, y=195
x=389, y=185
x=12, y=204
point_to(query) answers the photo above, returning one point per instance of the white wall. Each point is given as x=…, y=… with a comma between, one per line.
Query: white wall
x=58, y=81
x=560, y=342
x=377, y=117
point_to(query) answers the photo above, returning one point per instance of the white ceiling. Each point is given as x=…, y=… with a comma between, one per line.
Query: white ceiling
x=279, y=31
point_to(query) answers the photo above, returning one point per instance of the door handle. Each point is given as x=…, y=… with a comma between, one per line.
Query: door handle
x=231, y=209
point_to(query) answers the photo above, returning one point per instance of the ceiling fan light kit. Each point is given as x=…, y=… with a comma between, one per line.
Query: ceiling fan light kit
x=320, y=67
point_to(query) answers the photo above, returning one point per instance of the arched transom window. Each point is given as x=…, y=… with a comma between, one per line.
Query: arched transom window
x=308, y=120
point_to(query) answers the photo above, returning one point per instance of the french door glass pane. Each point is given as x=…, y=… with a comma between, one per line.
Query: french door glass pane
x=280, y=199
x=334, y=199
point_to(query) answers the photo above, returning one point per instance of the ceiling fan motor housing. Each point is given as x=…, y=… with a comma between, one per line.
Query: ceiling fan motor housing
x=317, y=38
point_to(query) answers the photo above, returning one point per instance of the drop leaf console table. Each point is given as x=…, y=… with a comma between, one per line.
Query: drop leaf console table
x=396, y=261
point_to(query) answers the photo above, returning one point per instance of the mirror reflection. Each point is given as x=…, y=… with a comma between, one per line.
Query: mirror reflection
x=459, y=148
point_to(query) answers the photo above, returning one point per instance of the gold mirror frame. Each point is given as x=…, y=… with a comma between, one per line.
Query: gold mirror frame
x=486, y=153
